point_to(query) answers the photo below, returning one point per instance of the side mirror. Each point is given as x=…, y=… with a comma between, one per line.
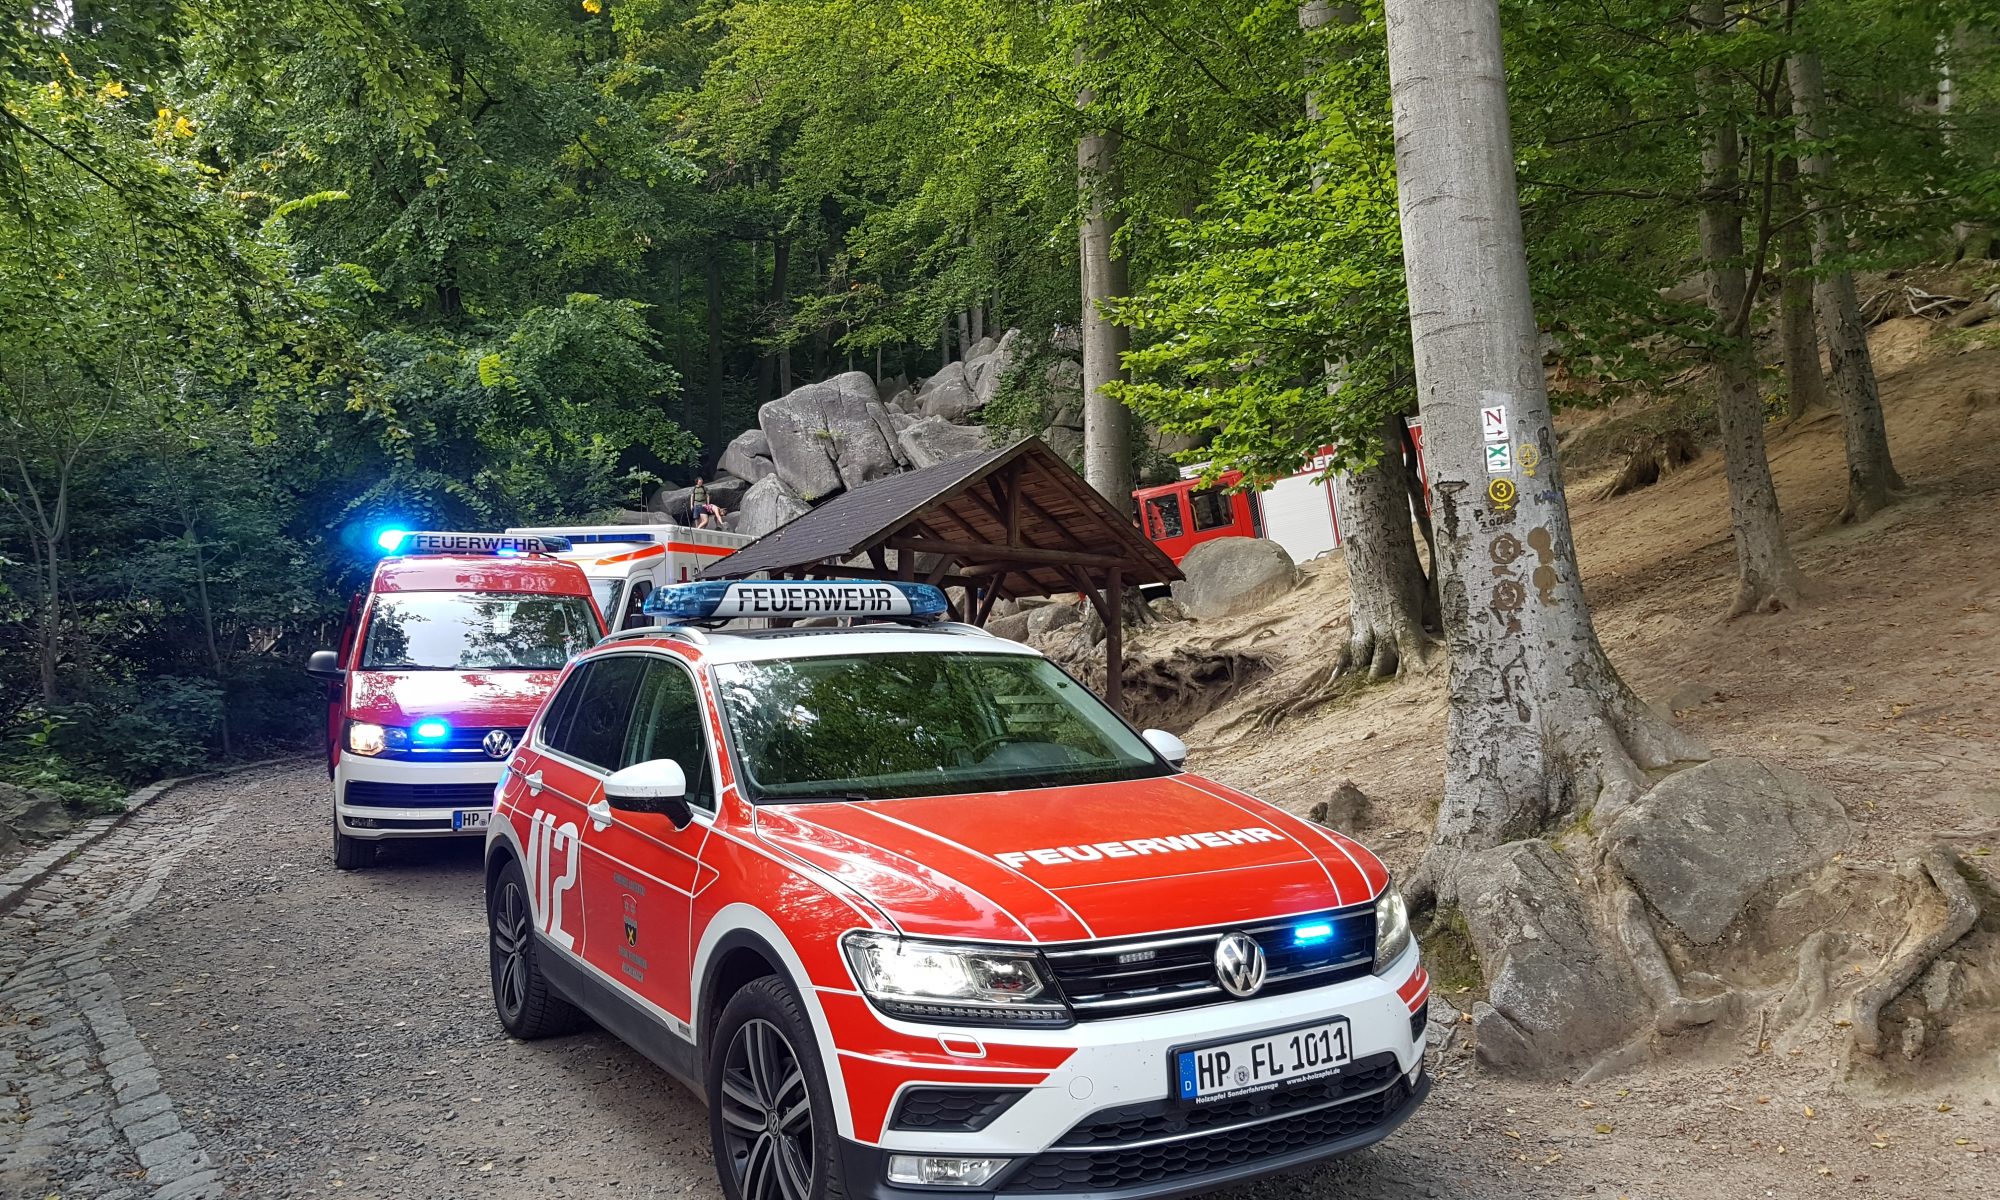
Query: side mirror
x=655, y=786
x=1167, y=746
x=325, y=665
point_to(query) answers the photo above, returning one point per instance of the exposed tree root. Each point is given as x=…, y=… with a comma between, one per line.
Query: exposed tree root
x=1385, y=653
x=1901, y=970
x=1649, y=457
x=1673, y=1011
x=1319, y=688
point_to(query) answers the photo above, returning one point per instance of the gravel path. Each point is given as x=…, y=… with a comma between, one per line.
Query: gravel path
x=306, y=1032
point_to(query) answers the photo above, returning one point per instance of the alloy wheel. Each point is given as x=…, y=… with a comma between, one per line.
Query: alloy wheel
x=512, y=931
x=767, y=1115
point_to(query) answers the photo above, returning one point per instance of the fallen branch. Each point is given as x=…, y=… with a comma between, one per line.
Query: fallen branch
x=1961, y=910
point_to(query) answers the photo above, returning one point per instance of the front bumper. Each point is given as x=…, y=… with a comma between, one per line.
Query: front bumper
x=1096, y=1113
x=395, y=798
x=1170, y=1165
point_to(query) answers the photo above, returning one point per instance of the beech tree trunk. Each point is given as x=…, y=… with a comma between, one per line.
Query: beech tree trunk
x=1540, y=723
x=1386, y=586
x=1871, y=474
x=1107, y=427
x=1798, y=334
x=1766, y=578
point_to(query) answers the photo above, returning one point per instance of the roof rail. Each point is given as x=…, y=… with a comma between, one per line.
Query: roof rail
x=686, y=633
x=962, y=629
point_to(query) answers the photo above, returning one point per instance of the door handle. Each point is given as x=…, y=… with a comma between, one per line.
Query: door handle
x=600, y=815
x=534, y=783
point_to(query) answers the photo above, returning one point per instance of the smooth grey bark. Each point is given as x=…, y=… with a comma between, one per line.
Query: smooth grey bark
x=712, y=417
x=1798, y=332
x=1871, y=474
x=1767, y=580
x=1387, y=589
x=1107, y=426
x=1540, y=723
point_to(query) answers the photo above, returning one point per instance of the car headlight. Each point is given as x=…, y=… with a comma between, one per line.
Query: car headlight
x=366, y=739
x=1392, y=928
x=940, y=982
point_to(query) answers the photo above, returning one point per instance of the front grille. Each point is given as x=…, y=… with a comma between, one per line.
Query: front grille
x=469, y=742
x=959, y=1110
x=419, y=795
x=1127, y=976
x=1110, y=1169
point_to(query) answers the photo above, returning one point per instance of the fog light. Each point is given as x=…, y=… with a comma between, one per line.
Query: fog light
x=929, y=1171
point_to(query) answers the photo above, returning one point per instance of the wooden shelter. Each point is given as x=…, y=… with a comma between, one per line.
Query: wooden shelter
x=1012, y=522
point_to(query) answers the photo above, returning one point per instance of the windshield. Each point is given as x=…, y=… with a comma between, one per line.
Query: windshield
x=475, y=631
x=925, y=724
x=606, y=592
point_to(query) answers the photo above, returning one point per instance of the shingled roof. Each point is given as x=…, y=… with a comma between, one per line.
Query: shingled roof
x=1018, y=517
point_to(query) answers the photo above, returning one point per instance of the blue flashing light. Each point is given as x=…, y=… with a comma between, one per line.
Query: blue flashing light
x=723, y=600
x=1313, y=934
x=431, y=730
x=389, y=539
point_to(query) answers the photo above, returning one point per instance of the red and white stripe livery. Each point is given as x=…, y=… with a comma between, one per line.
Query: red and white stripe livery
x=1136, y=899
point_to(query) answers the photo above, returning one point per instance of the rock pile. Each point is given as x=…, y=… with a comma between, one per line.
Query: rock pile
x=824, y=438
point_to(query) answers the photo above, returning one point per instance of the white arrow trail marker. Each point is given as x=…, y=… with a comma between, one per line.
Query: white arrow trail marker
x=1499, y=459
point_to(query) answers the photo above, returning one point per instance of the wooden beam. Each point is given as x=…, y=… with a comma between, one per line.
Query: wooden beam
x=942, y=568
x=987, y=595
x=982, y=551
x=1014, y=503
x=872, y=573
x=877, y=556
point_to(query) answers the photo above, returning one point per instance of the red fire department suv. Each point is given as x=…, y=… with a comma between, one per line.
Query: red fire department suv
x=919, y=915
x=443, y=659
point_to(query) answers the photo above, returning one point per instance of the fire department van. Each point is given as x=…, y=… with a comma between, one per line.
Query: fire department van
x=441, y=663
x=917, y=914
x=624, y=563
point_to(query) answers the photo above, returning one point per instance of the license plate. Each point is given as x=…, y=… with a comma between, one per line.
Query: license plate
x=475, y=818
x=1265, y=1062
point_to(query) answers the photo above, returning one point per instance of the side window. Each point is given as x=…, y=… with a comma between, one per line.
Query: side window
x=592, y=726
x=635, y=602
x=554, y=716
x=668, y=722
x=1163, y=513
x=1211, y=509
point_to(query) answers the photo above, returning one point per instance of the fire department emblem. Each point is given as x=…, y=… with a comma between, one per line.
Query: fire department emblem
x=631, y=921
x=498, y=743
x=1239, y=965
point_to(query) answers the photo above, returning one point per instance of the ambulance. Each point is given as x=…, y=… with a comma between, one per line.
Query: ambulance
x=442, y=661
x=918, y=915
x=625, y=563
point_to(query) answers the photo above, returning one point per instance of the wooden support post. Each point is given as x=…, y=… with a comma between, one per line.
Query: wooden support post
x=1114, y=641
x=989, y=591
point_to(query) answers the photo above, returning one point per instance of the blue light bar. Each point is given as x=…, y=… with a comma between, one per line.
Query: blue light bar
x=427, y=541
x=431, y=730
x=1313, y=934
x=786, y=599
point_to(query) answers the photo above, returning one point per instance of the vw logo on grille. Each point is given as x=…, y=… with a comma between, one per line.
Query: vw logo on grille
x=498, y=743
x=1239, y=964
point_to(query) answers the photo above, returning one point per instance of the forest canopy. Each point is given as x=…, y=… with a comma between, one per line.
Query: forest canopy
x=275, y=272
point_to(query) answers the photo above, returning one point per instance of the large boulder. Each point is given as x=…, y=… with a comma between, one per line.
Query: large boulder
x=769, y=503
x=832, y=435
x=933, y=440
x=948, y=394
x=1234, y=575
x=1045, y=619
x=985, y=372
x=726, y=492
x=748, y=456
x=1561, y=994
x=1705, y=842
x=1013, y=626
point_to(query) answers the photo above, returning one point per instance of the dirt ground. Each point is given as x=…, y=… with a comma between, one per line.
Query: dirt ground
x=1884, y=686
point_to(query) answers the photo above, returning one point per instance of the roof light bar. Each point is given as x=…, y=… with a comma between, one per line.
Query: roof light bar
x=427, y=541
x=785, y=599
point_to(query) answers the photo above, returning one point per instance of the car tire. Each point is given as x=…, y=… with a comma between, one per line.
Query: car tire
x=771, y=1125
x=528, y=1004
x=351, y=853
